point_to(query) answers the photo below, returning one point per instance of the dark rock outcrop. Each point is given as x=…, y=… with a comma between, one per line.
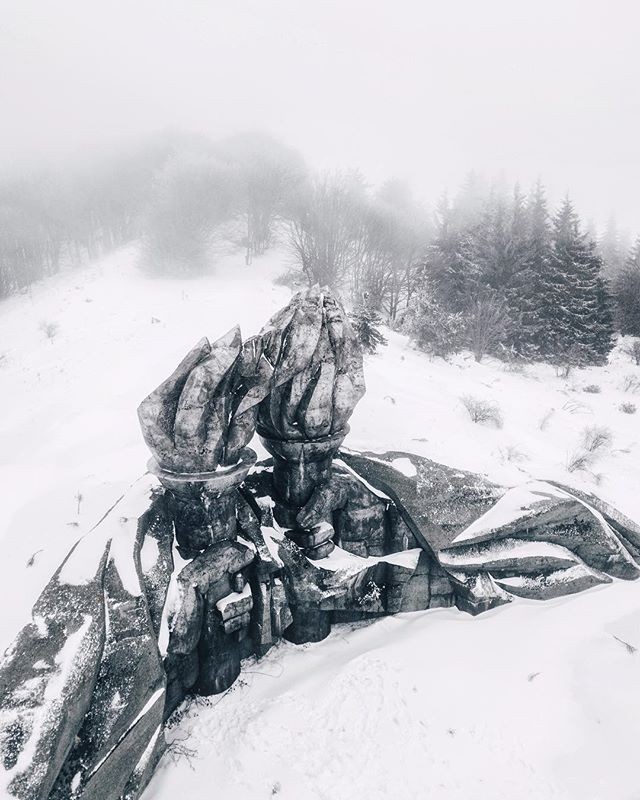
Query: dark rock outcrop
x=83, y=685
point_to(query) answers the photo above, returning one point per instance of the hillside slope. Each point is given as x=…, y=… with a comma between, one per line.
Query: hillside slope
x=536, y=700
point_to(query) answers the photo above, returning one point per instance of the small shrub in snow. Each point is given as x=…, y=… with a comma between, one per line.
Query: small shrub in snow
x=513, y=362
x=515, y=367
x=595, y=438
x=482, y=412
x=573, y=407
x=564, y=370
x=32, y=558
x=179, y=752
x=434, y=329
x=632, y=349
x=50, y=329
x=628, y=647
x=630, y=383
x=545, y=419
x=580, y=461
x=511, y=454
x=628, y=408
x=292, y=278
x=592, y=388
x=487, y=324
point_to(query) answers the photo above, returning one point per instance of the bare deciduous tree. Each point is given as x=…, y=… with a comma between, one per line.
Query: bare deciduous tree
x=487, y=322
x=267, y=174
x=193, y=194
x=324, y=226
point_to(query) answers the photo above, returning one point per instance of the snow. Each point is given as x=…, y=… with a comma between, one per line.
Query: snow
x=343, y=560
x=517, y=504
x=339, y=462
x=171, y=601
x=118, y=531
x=153, y=699
x=247, y=543
x=41, y=625
x=531, y=700
x=149, y=554
x=506, y=549
x=405, y=466
x=561, y=576
x=427, y=418
x=49, y=707
x=234, y=597
x=147, y=752
x=271, y=538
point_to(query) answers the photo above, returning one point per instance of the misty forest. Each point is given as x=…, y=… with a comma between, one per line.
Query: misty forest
x=320, y=400
x=494, y=269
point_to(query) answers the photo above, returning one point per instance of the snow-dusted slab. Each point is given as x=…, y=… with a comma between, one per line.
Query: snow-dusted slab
x=543, y=512
x=515, y=508
x=342, y=561
x=118, y=529
x=436, y=501
x=556, y=584
x=505, y=555
x=236, y=603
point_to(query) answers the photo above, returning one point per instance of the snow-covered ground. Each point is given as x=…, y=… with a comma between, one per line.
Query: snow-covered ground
x=528, y=701
x=534, y=700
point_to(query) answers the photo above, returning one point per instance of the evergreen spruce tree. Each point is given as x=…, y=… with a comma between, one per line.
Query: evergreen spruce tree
x=449, y=266
x=519, y=253
x=526, y=300
x=604, y=331
x=491, y=244
x=627, y=293
x=366, y=324
x=575, y=304
x=469, y=203
x=610, y=249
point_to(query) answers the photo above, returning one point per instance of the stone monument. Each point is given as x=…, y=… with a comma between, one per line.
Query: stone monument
x=211, y=557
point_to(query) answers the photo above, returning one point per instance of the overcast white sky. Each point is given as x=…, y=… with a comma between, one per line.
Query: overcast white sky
x=412, y=88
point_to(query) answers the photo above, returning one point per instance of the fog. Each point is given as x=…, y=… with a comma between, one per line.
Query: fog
x=423, y=91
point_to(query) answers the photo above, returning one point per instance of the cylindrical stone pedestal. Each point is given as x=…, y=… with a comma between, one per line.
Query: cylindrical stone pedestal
x=203, y=504
x=299, y=467
x=204, y=509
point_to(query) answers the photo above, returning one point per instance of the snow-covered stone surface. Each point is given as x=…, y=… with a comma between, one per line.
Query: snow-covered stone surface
x=82, y=687
x=542, y=528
